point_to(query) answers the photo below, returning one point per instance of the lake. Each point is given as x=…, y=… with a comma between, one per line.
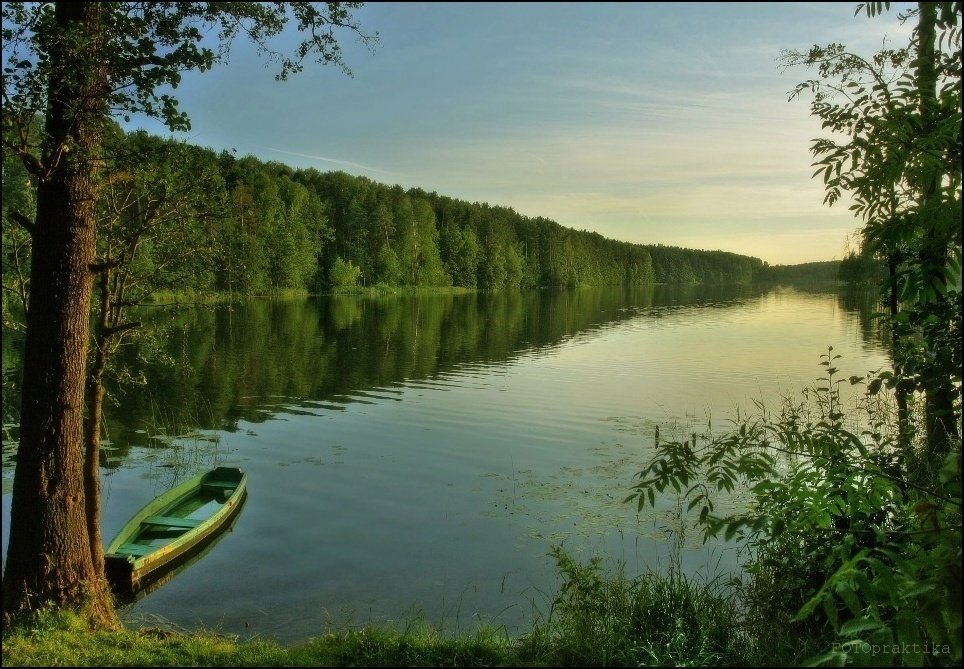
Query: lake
x=420, y=455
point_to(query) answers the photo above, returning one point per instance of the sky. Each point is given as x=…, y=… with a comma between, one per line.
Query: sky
x=646, y=122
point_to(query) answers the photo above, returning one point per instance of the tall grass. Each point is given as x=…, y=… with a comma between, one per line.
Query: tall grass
x=596, y=619
x=609, y=619
x=177, y=450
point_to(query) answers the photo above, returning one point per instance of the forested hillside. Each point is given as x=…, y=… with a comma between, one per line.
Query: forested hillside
x=828, y=270
x=188, y=218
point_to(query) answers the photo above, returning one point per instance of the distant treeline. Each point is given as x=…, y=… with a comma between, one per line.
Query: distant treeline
x=862, y=268
x=222, y=223
x=805, y=272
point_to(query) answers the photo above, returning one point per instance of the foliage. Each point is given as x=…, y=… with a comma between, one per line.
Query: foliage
x=156, y=215
x=151, y=45
x=843, y=540
x=853, y=525
x=671, y=264
x=816, y=272
x=344, y=274
x=17, y=197
x=597, y=620
x=600, y=619
x=388, y=269
x=861, y=269
x=896, y=151
x=68, y=69
x=57, y=639
x=220, y=223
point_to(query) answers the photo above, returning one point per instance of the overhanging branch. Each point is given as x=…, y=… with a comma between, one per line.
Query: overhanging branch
x=23, y=221
x=117, y=329
x=98, y=267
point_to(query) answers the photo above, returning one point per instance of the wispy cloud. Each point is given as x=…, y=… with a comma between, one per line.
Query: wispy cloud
x=668, y=123
x=334, y=161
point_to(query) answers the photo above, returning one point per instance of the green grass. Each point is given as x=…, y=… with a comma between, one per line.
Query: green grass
x=63, y=639
x=596, y=619
x=172, y=297
x=166, y=298
x=608, y=619
x=385, y=289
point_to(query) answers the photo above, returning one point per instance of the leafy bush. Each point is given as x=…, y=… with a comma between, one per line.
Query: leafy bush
x=600, y=619
x=850, y=548
x=344, y=274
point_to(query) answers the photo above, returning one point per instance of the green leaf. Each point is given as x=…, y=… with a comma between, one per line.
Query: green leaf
x=909, y=637
x=857, y=626
x=830, y=609
x=731, y=531
x=933, y=622
x=832, y=658
x=849, y=597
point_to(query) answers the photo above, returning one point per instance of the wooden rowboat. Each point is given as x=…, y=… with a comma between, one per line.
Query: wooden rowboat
x=174, y=527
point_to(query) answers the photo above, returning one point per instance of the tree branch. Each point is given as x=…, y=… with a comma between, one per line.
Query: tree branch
x=23, y=221
x=103, y=266
x=117, y=329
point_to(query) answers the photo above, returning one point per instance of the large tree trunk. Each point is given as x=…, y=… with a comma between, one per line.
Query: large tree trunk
x=940, y=421
x=49, y=553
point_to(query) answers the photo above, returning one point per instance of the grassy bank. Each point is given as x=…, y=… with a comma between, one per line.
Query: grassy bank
x=596, y=619
x=166, y=298
x=385, y=289
x=59, y=639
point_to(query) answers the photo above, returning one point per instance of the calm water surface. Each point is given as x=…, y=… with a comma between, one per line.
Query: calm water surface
x=421, y=455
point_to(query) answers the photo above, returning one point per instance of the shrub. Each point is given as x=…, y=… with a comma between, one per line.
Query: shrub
x=344, y=274
x=850, y=548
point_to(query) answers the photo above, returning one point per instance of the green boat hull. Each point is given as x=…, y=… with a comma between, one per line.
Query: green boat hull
x=173, y=528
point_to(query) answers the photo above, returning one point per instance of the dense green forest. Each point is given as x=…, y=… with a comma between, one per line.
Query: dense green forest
x=189, y=218
x=828, y=270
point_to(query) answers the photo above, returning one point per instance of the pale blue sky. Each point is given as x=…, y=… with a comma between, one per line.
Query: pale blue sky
x=651, y=123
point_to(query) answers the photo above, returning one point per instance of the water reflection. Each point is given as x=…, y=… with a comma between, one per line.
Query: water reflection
x=209, y=368
x=427, y=450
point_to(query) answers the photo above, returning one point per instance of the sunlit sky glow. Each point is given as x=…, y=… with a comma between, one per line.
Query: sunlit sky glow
x=651, y=123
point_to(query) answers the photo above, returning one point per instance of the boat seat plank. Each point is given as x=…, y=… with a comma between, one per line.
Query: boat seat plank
x=135, y=549
x=220, y=485
x=171, y=521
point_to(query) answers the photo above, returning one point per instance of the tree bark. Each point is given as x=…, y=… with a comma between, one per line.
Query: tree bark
x=940, y=421
x=49, y=554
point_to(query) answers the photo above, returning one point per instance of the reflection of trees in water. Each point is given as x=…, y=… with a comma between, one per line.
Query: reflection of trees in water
x=251, y=360
x=697, y=294
x=215, y=367
x=865, y=304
